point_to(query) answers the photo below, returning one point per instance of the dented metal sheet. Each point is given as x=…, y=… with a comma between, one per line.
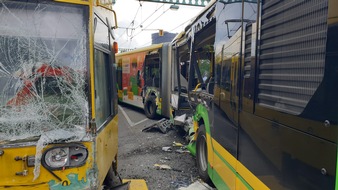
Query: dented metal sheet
x=43, y=71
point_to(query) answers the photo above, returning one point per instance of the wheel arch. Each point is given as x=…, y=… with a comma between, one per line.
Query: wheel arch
x=201, y=116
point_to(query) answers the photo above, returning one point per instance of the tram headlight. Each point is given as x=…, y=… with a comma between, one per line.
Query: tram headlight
x=62, y=157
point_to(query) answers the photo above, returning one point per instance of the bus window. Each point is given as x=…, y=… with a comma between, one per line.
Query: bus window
x=102, y=100
x=152, y=71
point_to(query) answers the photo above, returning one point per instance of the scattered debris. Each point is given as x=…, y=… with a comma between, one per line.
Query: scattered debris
x=180, y=181
x=177, y=144
x=163, y=125
x=182, y=151
x=197, y=185
x=180, y=120
x=162, y=167
x=167, y=149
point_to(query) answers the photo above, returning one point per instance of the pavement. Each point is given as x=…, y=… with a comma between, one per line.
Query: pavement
x=141, y=154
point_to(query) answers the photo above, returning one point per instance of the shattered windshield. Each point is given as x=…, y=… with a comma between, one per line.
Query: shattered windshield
x=43, y=56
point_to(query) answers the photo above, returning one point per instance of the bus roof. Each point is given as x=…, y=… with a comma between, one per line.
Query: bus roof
x=148, y=48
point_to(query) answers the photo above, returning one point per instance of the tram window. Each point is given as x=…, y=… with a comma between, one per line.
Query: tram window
x=102, y=86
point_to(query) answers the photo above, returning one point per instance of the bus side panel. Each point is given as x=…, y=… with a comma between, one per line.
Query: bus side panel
x=130, y=91
x=282, y=157
x=106, y=148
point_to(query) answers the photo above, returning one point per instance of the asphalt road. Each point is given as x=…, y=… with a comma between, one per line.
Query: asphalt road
x=139, y=152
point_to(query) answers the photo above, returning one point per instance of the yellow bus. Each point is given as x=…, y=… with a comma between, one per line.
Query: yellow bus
x=144, y=81
x=58, y=100
x=262, y=79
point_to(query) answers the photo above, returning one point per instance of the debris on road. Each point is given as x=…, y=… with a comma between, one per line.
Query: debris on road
x=167, y=149
x=197, y=185
x=180, y=120
x=184, y=121
x=163, y=125
x=177, y=144
x=162, y=167
x=182, y=151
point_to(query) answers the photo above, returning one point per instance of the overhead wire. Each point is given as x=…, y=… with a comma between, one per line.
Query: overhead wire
x=132, y=22
x=171, y=30
x=126, y=28
x=147, y=25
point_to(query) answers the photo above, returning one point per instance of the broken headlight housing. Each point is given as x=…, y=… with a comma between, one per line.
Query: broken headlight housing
x=62, y=157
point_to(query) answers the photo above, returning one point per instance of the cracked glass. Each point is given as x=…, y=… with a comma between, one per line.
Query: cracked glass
x=43, y=70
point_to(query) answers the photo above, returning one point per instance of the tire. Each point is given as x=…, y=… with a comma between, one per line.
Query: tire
x=150, y=107
x=202, y=154
x=112, y=179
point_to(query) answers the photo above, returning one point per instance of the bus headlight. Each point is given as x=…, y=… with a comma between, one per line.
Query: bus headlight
x=57, y=157
x=62, y=157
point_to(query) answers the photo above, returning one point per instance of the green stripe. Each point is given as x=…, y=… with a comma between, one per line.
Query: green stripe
x=233, y=170
x=217, y=180
x=337, y=171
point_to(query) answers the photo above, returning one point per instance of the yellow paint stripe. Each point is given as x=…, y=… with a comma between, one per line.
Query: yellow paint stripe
x=253, y=181
x=225, y=154
x=210, y=151
x=240, y=185
x=225, y=172
x=79, y=2
x=249, y=177
x=91, y=60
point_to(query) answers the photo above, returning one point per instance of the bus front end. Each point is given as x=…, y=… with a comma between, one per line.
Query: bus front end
x=45, y=141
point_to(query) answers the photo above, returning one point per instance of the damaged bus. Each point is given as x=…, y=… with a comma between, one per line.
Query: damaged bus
x=144, y=80
x=262, y=78
x=58, y=108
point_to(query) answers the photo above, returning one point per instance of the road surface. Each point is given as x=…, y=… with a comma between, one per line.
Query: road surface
x=139, y=152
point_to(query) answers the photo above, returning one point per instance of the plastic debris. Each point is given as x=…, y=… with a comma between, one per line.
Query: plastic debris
x=177, y=144
x=162, y=167
x=167, y=149
x=180, y=120
x=182, y=151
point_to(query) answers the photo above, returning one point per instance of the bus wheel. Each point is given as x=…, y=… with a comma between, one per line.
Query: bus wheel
x=202, y=154
x=112, y=178
x=150, y=107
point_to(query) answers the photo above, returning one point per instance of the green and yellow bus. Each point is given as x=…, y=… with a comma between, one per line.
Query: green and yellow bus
x=144, y=80
x=58, y=96
x=262, y=78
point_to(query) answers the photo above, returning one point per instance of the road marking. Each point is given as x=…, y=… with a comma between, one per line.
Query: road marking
x=131, y=124
x=140, y=121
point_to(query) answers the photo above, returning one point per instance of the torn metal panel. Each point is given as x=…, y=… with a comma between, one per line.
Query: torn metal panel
x=43, y=70
x=163, y=125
